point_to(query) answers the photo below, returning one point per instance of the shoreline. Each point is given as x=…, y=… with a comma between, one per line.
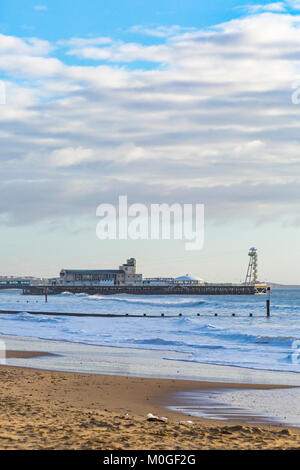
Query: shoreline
x=171, y=398
x=43, y=409
x=50, y=386
x=72, y=356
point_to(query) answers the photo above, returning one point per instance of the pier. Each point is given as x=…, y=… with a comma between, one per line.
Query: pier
x=206, y=289
x=126, y=280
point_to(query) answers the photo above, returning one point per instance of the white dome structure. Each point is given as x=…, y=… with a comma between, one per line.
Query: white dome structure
x=189, y=280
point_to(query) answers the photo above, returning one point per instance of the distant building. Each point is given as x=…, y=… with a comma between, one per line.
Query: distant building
x=158, y=281
x=22, y=281
x=189, y=280
x=167, y=281
x=126, y=274
x=14, y=283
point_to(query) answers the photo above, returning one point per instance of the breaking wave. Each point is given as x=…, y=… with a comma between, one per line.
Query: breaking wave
x=151, y=303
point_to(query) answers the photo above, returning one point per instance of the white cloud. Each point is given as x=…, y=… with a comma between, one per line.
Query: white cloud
x=85, y=42
x=212, y=121
x=71, y=156
x=273, y=7
x=160, y=31
x=123, y=52
x=294, y=4
x=30, y=66
x=94, y=53
x=29, y=46
x=40, y=8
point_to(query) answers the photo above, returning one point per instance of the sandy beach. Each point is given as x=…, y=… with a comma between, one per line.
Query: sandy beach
x=44, y=409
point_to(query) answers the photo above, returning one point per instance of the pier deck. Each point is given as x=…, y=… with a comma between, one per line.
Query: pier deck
x=209, y=289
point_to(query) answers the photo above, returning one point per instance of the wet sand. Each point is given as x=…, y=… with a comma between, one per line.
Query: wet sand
x=42, y=409
x=25, y=354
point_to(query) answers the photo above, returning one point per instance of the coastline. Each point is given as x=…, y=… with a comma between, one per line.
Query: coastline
x=153, y=363
x=55, y=409
x=43, y=409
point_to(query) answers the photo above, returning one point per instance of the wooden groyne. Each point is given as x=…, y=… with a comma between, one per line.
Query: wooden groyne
x=115, y=315
x=209, y=289
x=93, y=315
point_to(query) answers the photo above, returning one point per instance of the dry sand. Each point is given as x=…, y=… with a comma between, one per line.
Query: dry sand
x=61, y=410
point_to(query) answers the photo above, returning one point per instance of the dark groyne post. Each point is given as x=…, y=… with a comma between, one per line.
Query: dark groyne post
x=46, y=294
x=268, y=300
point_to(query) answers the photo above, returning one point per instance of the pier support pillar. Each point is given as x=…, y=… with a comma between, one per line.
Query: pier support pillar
x=268, y=301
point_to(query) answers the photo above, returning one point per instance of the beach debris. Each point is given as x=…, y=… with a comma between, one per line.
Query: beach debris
x=186, y=422
x=151, y=417
x=286, y=432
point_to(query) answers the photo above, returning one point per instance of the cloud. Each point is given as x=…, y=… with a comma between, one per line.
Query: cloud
x=21, y=47
x=272, y=7
x=293, y=4
x=94, y=53
x=159, y=31
x=70, y=156
x=122, y=52
x=40, y=8
x=275, y=7
x=85, y=42
x=208, y=120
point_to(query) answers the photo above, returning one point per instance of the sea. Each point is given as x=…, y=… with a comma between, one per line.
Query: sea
x=241, y=334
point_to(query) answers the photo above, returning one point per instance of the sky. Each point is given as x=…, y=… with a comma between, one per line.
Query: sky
x=162, y=101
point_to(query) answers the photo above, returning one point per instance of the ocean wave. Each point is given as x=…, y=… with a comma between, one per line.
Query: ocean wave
x=246, y=338
x=242, y=342
x=163, y=342
x=193, y=322
x=29, y=317
x=286, y=306
x=157, y=342
x=276, y=340
x=151, y=303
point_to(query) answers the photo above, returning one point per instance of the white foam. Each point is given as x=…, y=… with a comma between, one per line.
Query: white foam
x=280, y=405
